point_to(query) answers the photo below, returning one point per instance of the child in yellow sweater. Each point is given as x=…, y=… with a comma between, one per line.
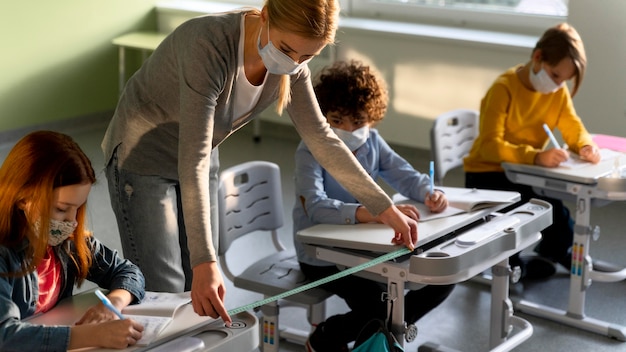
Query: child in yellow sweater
x=512, y=115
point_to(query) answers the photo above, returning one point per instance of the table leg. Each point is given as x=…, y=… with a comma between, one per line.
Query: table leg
x=395, y=303
x=502, y=322
x=581, y=276
x=121, y=69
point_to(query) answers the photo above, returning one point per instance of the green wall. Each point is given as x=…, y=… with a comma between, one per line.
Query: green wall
x=57, y=59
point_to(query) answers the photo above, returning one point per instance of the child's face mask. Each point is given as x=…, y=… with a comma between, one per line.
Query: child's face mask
x=59, y=230
x=354, y=139
x=542, y=82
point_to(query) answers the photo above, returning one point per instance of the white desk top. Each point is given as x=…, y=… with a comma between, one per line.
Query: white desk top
x=186, y=321
x=377, y=237
x=586, y=174
x=140, y=40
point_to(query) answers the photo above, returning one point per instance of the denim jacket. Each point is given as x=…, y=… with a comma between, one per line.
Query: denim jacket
x=18, y=295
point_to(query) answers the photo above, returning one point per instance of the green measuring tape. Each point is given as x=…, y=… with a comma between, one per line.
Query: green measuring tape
x=378, y=260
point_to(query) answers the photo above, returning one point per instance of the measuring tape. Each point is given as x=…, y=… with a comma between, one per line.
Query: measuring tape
x=378, y=260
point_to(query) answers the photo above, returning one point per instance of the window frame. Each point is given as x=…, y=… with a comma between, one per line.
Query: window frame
x=519, y=23
x=500, y=21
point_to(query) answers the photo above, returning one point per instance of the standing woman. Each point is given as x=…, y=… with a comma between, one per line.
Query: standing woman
x=206, y=80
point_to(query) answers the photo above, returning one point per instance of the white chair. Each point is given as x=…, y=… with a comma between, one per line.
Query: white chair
x=451, y=139
x=251, y=203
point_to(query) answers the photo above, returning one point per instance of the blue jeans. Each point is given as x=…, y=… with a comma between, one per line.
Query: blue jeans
x=149, y=217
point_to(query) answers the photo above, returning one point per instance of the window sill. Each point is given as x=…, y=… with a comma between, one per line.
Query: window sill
x=190, y=8
x=465, y=35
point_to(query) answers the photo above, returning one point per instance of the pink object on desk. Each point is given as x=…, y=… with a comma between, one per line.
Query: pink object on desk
x=610, y=142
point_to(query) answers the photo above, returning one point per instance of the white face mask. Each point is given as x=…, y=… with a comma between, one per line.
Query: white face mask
x=542, y=82
x=59, y=230
x=355, y=139
x=276, y=61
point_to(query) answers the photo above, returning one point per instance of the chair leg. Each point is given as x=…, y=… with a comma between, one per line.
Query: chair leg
x=269, y=337
x=316, y=314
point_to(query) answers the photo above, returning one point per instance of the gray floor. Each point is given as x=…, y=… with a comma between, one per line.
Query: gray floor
x=461, y=322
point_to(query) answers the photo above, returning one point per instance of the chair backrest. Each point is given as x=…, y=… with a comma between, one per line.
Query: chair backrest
x=249, y=199
x=451, y=139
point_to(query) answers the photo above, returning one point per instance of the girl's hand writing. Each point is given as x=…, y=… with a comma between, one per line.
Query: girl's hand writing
x=97, y=314
x=551, y=157
x=590, y=153
x=111, y=334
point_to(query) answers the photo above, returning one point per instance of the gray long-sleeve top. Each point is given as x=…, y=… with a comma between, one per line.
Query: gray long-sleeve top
x=179, y=106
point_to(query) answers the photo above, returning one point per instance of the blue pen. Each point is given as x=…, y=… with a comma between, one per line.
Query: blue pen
x=108, y=304
x=432, y=177
x=551, y=135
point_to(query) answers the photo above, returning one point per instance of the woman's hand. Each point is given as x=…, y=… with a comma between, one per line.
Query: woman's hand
x=208, y=291
x=404, y=227
x=436, y=202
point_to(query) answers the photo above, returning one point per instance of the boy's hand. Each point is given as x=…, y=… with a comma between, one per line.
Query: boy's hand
x=436, y=202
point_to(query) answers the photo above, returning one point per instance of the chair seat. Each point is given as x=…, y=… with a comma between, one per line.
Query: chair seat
x=276, y=274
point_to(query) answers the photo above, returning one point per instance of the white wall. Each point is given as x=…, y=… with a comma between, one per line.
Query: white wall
x=430, y=71
x=601, y=102
x=427, y=77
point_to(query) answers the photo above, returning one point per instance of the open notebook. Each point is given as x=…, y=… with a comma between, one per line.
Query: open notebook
x=462, y=200
x=155, y=312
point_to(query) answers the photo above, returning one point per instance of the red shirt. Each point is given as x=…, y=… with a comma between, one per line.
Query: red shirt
x=49, y=274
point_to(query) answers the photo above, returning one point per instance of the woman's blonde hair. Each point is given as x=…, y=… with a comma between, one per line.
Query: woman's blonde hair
x=316, y=19
x=39, y=163
x=560, y=42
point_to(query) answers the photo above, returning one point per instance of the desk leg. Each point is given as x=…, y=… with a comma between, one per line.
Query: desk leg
x=395, y=304
x=121, y=69
x=256, y=135
x=501, y=336
x=581, y=275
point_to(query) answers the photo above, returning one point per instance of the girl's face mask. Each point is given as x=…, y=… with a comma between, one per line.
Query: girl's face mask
x=59, y=230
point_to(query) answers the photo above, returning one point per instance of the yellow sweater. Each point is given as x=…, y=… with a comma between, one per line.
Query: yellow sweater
x=511, y=124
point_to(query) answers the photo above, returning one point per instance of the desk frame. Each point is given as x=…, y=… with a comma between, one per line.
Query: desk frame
x=146, y=42
x=492, y=253
x=582, y=273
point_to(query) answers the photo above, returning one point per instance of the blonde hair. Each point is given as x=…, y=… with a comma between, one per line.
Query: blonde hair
x=560, y=42
x=315, y=19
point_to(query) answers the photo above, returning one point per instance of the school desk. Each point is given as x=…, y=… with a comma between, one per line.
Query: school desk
x=146, y=42
x=587, y=185
x=449, y=250
x=187, y=327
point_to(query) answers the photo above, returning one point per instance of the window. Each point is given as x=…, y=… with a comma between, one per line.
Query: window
x=521, y=16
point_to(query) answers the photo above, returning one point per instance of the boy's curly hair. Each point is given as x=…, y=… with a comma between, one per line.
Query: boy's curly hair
x=351, y=88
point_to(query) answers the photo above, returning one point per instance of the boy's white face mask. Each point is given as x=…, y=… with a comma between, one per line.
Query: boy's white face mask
x=355, y=139
x=542, y=82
